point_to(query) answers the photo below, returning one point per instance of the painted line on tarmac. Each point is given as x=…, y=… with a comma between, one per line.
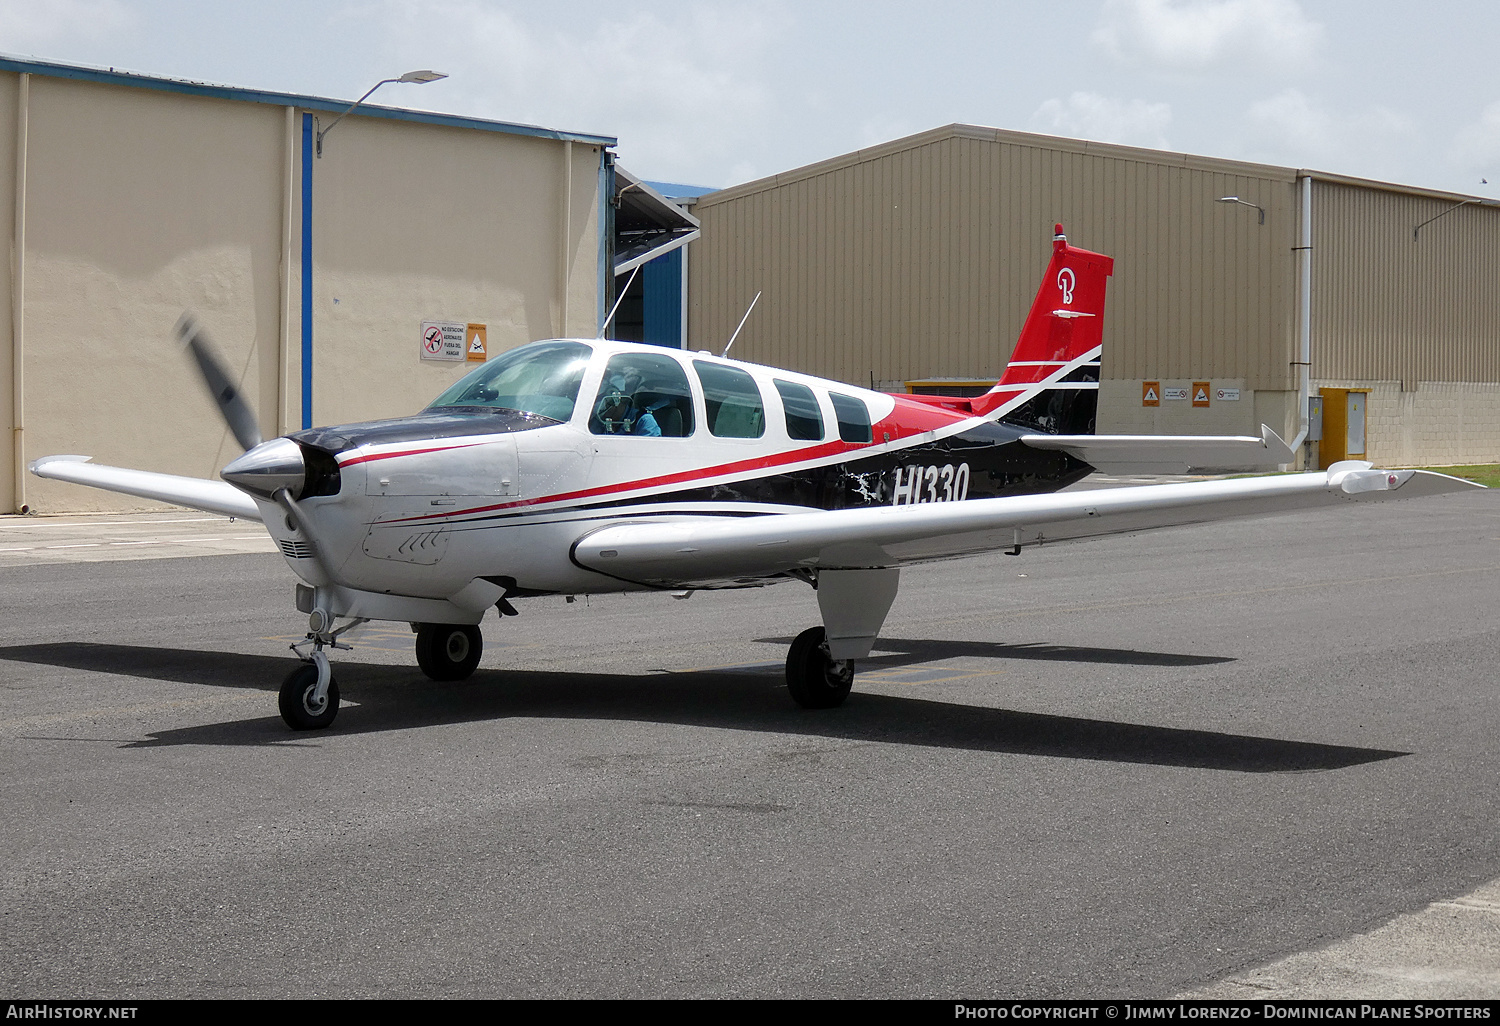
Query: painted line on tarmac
x=125, y=711
x=118, y=711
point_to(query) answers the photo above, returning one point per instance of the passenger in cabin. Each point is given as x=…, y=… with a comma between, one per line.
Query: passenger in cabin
x=618, y=410
x=644, y=395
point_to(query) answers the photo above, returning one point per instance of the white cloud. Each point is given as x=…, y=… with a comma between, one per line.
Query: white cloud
x=1476, y=147
x=683, y=95
x=1105, y=119
x=25, y=24
x=1290, y=129
x=1195, y=35
x=883, y=128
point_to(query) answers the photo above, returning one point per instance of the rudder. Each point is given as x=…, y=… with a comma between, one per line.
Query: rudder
x=1065, y=326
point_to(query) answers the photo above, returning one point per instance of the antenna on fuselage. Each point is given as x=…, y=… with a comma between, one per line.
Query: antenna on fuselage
x=741, y=325
x=618, y=300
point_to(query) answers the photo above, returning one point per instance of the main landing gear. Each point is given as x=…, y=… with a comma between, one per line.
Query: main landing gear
x=448, y=651
x=815, y=679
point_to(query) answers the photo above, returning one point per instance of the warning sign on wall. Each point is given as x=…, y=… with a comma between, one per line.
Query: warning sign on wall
x=1150, y=393
x=474, y=349
x=443, y=340
x=1200, y=393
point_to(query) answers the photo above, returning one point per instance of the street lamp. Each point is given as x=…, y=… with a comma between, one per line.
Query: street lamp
x=416, y=77
x=1245, y=203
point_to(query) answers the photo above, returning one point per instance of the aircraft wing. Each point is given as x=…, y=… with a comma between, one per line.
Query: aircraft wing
x=719, y=552
x=1169, y=454
x=195, y=493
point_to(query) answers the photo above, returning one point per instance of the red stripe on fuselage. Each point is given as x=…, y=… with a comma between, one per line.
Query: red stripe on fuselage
x=906, y=419
x=405, y=452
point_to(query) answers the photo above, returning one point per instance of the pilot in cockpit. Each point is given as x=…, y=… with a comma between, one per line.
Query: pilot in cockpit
x=618, y=411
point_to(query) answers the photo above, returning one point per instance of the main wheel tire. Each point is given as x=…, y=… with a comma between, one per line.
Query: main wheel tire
x=449, y=651
x=815, y=679
x=296, y=700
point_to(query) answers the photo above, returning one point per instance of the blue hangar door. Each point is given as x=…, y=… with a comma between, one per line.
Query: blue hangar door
x=650, y=234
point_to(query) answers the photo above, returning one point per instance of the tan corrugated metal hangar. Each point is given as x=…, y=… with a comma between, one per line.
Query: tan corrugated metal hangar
x=919, y=258
x=132, y=198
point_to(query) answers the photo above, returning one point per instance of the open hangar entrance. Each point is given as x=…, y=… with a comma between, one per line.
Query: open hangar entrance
x=653, y=224
x=915, y=261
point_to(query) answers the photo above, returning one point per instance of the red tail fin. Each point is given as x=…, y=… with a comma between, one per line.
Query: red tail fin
x=1066, y=321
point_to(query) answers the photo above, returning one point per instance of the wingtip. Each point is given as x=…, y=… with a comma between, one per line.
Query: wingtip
x=42, y=461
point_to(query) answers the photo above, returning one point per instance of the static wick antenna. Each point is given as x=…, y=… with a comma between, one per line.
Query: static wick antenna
x=618, y=300
x=741, y=325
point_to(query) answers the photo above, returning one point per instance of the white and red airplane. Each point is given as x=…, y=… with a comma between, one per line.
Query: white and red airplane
x=576, y=466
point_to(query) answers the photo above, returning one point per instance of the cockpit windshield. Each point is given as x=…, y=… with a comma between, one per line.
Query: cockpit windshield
x=540, y=378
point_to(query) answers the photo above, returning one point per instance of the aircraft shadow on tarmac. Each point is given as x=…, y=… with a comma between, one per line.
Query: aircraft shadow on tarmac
x=400, y=698
x=892, y=652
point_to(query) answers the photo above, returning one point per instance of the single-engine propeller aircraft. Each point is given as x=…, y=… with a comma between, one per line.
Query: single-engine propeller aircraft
x=576, y=466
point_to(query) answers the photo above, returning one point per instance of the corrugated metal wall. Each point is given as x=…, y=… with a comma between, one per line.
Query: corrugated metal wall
x=920, y=258
x=1390, y=307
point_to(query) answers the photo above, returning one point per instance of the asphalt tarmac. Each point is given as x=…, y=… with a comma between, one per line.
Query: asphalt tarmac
x=1137, y=767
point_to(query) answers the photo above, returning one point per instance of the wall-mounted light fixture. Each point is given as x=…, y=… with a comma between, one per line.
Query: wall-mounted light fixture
x=1245, y=203
x=413, y=77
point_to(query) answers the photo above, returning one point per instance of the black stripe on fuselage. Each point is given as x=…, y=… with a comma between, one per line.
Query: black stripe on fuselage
x=996, y=464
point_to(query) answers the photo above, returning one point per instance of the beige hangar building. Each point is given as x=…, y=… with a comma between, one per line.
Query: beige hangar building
x=130, y=199
x=913, y=263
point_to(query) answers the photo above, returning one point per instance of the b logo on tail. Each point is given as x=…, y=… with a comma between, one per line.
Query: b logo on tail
x=1066, y=281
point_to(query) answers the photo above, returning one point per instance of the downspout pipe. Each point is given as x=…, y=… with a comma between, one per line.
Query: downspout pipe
x=1303, y=264
x=17, y=302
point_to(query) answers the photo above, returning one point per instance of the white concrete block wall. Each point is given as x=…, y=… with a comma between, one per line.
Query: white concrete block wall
x=1442, y=423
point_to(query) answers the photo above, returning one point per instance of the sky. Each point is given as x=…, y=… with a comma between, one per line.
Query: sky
x=715, y=94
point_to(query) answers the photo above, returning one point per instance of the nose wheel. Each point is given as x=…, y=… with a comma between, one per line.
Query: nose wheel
x=815, y=679
x=449, y=651
x=309, y=697
x=302, y=708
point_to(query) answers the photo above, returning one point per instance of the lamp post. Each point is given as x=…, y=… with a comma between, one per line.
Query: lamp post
x=1244, y=203
x=311, y=141
x=414, y=77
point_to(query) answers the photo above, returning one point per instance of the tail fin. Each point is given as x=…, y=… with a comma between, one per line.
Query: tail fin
x=1064, y=329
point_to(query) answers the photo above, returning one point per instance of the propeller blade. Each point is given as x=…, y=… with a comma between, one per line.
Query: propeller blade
x=232, y=405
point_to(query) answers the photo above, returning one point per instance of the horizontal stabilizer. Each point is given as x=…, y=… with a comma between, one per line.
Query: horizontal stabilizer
x=192, y=492
x=1170, y=454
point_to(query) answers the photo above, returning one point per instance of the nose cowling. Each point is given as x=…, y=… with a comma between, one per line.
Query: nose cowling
x=268, y=468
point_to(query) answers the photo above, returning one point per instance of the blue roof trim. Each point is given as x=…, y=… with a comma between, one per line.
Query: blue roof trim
x=173, y=85
x=673, y=190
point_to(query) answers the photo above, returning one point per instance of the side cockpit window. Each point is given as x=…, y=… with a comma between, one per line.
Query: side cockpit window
x=854, y=418
x=804, y=421
x=540, y=378
x=732, y=404
x=643, y=394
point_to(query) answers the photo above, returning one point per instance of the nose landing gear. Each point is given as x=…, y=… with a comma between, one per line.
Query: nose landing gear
x=302, y=708
x=309, y=698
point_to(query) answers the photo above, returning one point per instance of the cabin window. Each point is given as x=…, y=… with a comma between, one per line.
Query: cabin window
x=540, y=378
x=732, y=404
x=854, y=418
x=804, y=421
x=643, y=394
